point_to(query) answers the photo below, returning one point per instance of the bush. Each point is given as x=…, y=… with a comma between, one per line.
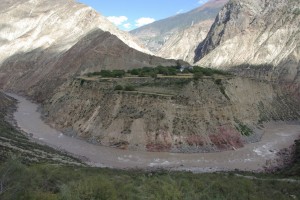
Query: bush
x=119, y=87
x=129, y=88
x=118, y=73
x=296, y=11
x=134, y=72
x=105, y=73
x=218, y=82
x=242, y=128
x=197, y=75
x=108, y=73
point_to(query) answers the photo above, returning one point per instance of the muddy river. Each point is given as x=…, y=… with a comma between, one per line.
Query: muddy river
x=252, y=157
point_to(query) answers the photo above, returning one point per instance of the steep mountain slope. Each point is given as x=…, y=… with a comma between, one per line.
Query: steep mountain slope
x=43, y=43
x=96, y=51
x=155, y=35
x=255, y=32
x=183, y=44
x=30, y=24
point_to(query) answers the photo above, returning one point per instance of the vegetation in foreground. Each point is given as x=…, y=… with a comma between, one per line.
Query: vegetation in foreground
x=44, y=181
x=35, y=178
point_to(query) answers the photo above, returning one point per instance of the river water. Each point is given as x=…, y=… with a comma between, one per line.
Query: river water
x=252, y=157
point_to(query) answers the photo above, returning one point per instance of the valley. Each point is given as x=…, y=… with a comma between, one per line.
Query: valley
x=204, y=104
x=252, y=157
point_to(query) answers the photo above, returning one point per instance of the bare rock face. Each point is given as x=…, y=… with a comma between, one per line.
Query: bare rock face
x=255, y=32
x=173, y=31
x=43, y=43
x=183, y=44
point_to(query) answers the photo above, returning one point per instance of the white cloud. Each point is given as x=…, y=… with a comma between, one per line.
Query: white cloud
x=117, y=20
x=202, y=2
x=127, y=25
x=143, y=21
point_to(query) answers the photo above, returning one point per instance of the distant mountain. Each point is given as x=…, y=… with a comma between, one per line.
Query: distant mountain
x=43, y=43
x=183, y=44
x=155, y=35
x=255, y=32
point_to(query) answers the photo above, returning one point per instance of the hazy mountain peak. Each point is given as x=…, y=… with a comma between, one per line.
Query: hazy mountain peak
x=163, y=34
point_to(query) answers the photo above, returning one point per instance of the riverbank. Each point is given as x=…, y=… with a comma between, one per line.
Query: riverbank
x=45, y=179
x=253, y=157
x=14, y=143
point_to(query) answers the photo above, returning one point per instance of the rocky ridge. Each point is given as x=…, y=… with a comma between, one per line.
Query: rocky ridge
x=183, y=44
x=159, y=35
x=257, y=32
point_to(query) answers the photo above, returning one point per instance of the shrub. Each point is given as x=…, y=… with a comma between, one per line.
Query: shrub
x=119, y=87
x=129, y=88
x=218, y=82
x=106, y=73
x=296, y=11
x=81, y=82
x=118, y=73
x=197, y=75
x=134, y=72
x=242, y=128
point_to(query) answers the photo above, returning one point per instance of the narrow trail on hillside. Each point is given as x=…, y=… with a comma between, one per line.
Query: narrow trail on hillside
x=252, y=157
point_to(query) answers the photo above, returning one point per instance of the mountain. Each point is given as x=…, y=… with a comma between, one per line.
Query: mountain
x=259, y=32
x=156, y=34
x=27, y=25
x=182, y=45
x=43, y=43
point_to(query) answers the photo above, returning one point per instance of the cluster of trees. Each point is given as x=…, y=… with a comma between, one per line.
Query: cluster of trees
x=125, y=88
x=154, y=71
x=197, y=71
x=109, y=73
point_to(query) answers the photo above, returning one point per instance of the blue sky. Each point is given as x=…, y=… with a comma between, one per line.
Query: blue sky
x=130, y=14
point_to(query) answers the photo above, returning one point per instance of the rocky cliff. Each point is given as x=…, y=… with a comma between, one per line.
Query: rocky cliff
x=183, y=44
x=43, y=43
x=162, y=34
x=255, y=32
x=169, y=114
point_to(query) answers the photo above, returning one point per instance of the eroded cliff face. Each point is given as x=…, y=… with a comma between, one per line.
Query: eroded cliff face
x=183, y=44
x=255, y=32
x=177, y=115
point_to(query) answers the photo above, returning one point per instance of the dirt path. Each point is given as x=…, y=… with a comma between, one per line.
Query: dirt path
x=252, y=157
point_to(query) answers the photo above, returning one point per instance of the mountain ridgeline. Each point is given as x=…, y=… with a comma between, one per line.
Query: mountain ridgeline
x=257, y=33
x=156, y=34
